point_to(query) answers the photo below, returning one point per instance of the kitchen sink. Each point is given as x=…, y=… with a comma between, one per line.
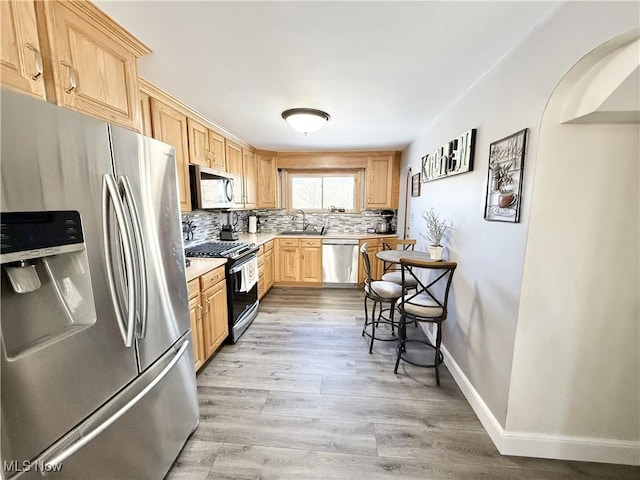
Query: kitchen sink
x=302, y=232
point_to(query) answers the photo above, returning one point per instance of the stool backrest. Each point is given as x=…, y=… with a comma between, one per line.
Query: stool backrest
x=396, y=244
x=366, y=262
x=443, y=276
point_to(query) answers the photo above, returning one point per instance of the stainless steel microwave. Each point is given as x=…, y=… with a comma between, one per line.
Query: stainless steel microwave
x=210, y=188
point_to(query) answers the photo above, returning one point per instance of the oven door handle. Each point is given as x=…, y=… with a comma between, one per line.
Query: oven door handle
x=236, y=268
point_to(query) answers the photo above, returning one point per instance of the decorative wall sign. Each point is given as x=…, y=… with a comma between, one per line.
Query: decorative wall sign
x=504, y=182
x=415, y=185
x=452, y=158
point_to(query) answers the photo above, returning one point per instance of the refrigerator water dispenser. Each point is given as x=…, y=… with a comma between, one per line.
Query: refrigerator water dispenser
x=23, y=276
x=46, y=288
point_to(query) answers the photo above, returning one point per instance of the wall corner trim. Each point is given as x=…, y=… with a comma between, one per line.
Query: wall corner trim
x=529, y=444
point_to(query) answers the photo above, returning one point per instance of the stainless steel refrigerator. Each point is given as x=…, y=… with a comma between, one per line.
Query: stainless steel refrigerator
x=97, y=376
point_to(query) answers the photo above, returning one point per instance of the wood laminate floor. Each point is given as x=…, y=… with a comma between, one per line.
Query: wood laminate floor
x=299, y=397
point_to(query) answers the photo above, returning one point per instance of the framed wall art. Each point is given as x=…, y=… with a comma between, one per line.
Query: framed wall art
x=504, y=181
x=415, y=185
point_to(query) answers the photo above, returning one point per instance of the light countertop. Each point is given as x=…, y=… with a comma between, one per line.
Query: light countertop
x=257, y=238
x=200, y=266
x=263, y=237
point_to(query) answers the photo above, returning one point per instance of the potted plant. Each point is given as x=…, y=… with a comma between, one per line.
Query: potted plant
x=503, y=183
x=436, y=230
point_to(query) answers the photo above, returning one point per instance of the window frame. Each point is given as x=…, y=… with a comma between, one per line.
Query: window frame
x=356, y=173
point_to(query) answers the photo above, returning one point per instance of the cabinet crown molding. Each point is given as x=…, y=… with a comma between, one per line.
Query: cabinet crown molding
x=154, y=91
x=104, y=21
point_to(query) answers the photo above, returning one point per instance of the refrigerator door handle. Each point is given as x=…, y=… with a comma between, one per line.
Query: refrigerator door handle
x=88, y=436
x=110, y=195
x=142, y=255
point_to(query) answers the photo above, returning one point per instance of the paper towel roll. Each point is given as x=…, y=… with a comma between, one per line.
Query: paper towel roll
x=253, y=224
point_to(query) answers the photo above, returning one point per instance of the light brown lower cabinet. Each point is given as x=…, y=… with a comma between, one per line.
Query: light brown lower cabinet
x=269, y=274
x=311, y=261
x=197, y=330
x=216, y=325
x=262, y=287
x=374, y=245
x=195, y=319
x=208, y=314
x=265, y=269
x=298, y=261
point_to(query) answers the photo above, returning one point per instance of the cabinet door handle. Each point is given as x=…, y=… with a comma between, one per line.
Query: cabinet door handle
x=208, y=305
x=38, y=55
x=72, y=77
x=201, y=311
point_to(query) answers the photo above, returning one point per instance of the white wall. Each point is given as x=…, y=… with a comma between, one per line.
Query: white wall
x=576, y=367
x=481, y=329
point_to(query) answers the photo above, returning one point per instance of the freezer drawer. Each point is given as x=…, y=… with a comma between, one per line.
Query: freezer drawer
x=141, y=443
x=340, y=262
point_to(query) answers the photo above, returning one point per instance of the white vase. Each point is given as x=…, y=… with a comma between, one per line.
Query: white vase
x=435, y=252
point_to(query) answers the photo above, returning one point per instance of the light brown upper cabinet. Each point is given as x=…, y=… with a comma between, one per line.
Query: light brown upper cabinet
x=267, y=182
x=217, y=151
x=250, y=178
x=93, y=61
x=198, y=143
x=145, y=114
x=383, y=181
x=20, y=52
x=170, y=126
x=206, y=147
x=234, y=167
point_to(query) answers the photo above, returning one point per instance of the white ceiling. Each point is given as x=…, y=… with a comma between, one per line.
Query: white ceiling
x=383, y=70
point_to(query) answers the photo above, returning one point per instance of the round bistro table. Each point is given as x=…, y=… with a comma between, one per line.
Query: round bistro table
x=394, y=256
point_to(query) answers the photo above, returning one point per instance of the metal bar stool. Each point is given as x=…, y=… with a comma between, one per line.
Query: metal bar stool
x=380, y=292
x=428, y=304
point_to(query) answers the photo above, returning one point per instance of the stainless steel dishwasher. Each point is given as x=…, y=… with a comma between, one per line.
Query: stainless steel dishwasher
x=340, y=262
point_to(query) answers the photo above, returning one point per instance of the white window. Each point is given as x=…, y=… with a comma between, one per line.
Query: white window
x=320, y=191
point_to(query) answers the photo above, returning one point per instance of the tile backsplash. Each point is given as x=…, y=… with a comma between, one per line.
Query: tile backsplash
x=208, y=224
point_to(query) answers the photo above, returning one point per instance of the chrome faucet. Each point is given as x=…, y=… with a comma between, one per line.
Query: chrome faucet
x=305, y=225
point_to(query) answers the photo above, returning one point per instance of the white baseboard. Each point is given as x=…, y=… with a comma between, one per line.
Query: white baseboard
x=528, y=444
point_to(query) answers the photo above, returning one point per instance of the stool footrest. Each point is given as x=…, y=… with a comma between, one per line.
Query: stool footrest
x=385, y=338
x=404, y=357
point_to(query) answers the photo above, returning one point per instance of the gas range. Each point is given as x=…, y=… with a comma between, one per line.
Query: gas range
x=231, y=250
x=242, y=299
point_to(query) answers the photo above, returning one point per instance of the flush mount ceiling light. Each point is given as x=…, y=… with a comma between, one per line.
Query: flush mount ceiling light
x=306, y=120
